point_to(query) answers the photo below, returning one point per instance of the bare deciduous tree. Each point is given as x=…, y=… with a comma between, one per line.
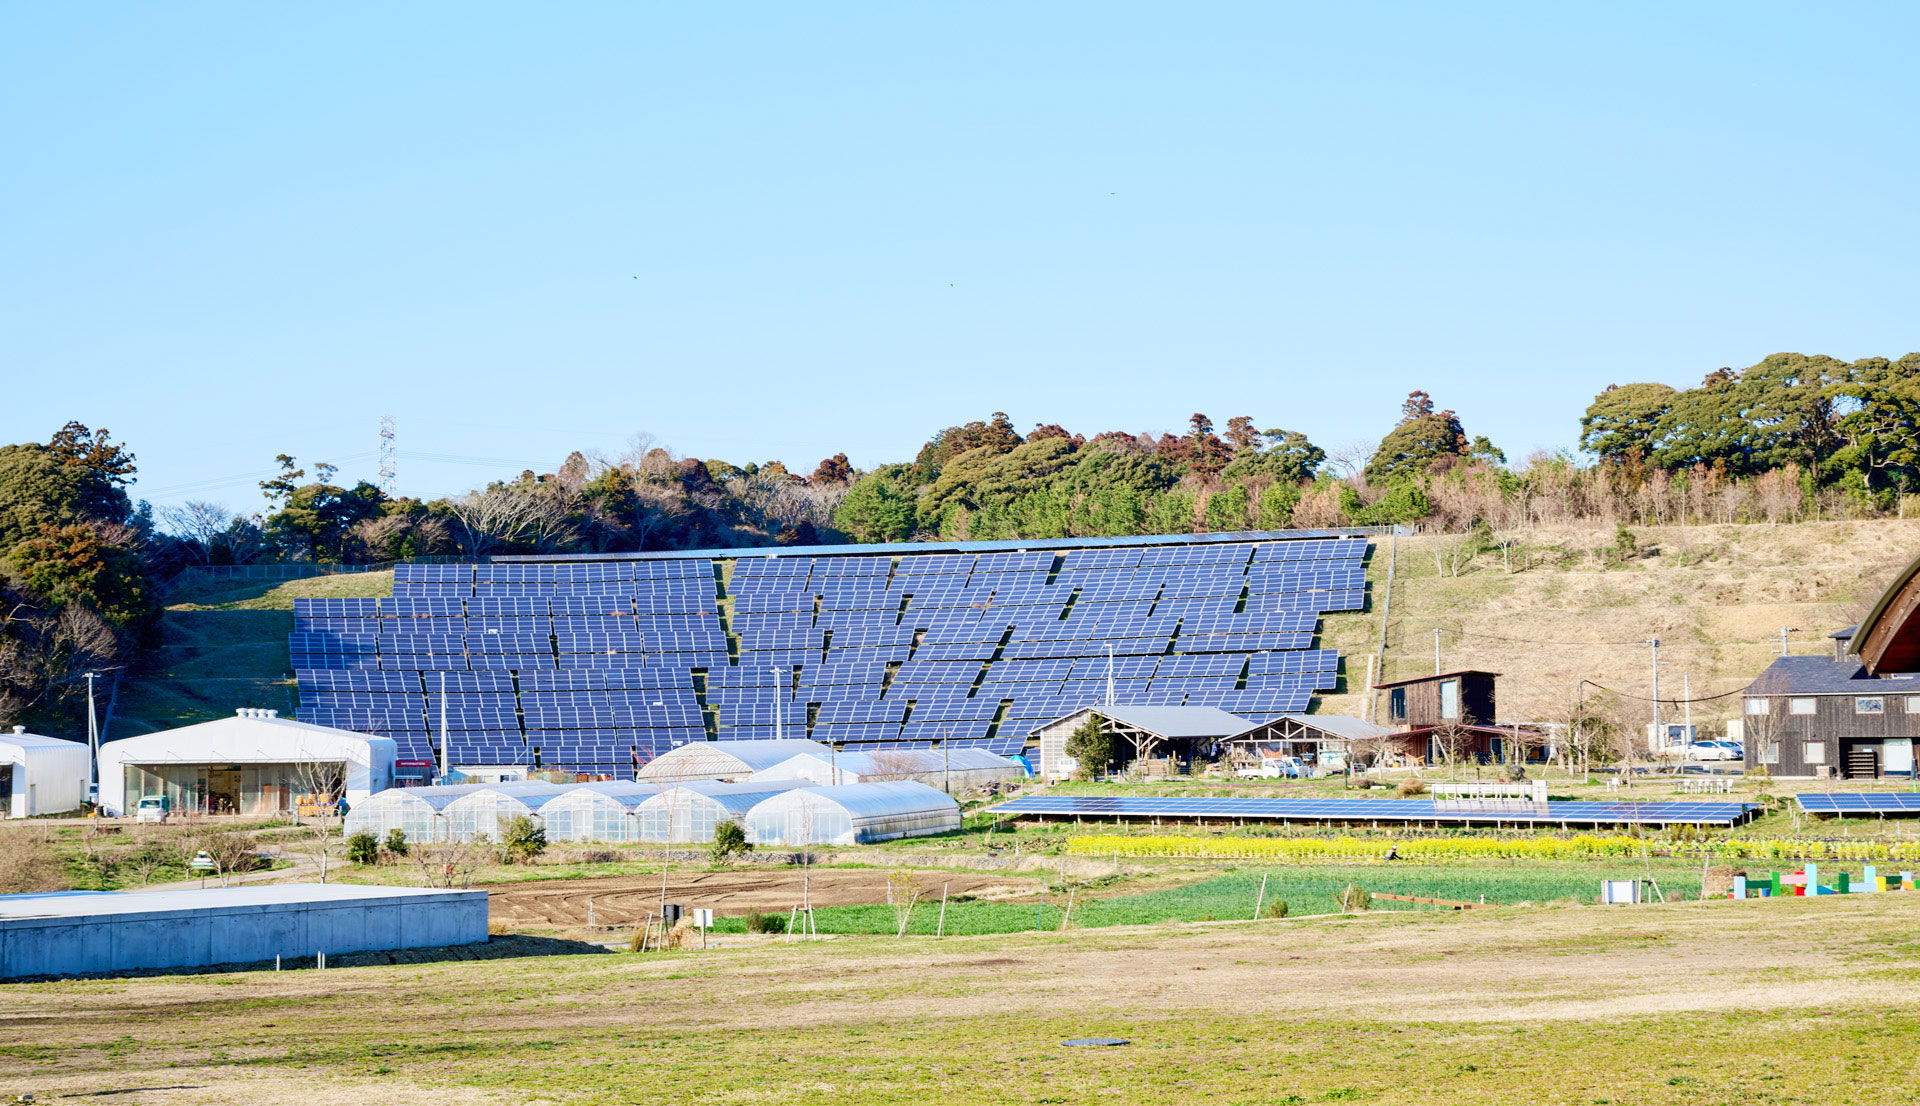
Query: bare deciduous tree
x=319, y=785
x=503, y=515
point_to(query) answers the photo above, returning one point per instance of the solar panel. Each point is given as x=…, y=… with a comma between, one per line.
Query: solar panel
x=1387, y=810
x=1876, y=803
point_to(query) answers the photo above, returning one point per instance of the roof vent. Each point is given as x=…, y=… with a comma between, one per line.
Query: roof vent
x=19, y=729
x=270, y=713
x=242, y=712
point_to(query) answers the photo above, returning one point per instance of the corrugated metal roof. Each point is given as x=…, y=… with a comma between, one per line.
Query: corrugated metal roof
x=1435, y=676
x=37, y=741
x=80, y=904
x=1820, y=675
x=1340, y=725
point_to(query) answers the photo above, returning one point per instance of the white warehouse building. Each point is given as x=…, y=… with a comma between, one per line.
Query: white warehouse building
x=41, y=775
x=254, y=763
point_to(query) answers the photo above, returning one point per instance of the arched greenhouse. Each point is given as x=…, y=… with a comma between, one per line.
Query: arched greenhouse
x=686, y=813
x=596, y=811
x=852, y=814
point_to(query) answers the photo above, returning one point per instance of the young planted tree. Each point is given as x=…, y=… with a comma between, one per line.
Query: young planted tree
x=1091, y=748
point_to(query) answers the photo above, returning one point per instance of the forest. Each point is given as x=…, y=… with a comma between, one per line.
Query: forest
x=1793, y=437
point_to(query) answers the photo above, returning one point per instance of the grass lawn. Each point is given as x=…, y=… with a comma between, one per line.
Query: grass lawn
x=1719, y=1002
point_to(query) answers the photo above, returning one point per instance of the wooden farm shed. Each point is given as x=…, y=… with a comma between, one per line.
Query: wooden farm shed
x=1166, y=738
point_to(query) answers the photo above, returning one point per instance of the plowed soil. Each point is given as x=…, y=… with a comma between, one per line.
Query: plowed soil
x=627, y=900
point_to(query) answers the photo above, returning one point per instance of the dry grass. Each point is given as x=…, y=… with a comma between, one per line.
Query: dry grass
x=1711, y=1002
x=1715, y=596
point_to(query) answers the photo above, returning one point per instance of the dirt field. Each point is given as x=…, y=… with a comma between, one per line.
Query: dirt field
x=627, y=900
x=1720, y=1002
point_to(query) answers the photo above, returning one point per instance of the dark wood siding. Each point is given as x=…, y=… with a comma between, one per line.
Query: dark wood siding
x=1423, y=701
x=1834, y=721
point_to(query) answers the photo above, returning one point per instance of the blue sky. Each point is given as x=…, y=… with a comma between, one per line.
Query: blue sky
x=783, y=231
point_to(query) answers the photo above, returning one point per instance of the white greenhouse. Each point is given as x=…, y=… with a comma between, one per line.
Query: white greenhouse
x=723, y=760
x=420, y=812
x=686, y=813
x=596, y=811
x=852, y=814
x=489, y=807
x=953, y=769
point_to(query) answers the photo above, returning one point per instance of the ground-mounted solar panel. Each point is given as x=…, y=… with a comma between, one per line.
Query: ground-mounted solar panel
x=1030, y=561
x=934, y=564
x=950, y=730
x=1209, y=553
x=1393, y=811
x=1083, y=559
x=1120, y=667
x=1860, y=804
x=852, y=566
x=1124, y=691
x=955, y=651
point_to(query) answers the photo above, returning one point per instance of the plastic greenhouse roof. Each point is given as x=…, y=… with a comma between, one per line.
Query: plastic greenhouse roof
x=729, y=757
x=895, y=761
x=735, y=798
x=866, y=801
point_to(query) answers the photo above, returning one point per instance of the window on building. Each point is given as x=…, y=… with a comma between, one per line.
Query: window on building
x=1756, y=706
x=1801, y=706
x=1869, y=704
x=1815, y=753
x=1913, y=704
x=1397, y=704
x=1769, y=752
x=1450, y=699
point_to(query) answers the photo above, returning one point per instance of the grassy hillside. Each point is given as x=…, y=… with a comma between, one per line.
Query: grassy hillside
x=1566, y=606
x=1557, y=607
x=226, y=647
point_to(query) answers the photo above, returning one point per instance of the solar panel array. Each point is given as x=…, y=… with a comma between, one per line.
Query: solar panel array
x=1860, y=804
x=594, y=665
x=1399, y=811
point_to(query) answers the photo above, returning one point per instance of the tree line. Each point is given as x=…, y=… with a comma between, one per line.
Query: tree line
x=1792, y=437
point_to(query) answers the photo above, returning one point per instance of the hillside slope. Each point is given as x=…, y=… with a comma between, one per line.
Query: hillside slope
x=225, y=647
x=1561, y=606
x=1565, y=607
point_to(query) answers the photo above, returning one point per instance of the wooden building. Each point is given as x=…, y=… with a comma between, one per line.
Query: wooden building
x=1155, y=740
x=1314, y=738
x=1827, y=716
x=1465, y=697
x=1445, y=716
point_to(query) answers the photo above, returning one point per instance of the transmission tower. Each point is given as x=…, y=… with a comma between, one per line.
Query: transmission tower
x=389, y=470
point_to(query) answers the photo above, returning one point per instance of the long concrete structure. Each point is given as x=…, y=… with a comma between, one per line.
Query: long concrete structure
x=80, y=932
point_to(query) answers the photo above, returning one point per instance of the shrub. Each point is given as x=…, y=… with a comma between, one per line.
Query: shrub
x=363, y=849
x=1353, y=899
x=595, y=856
x=1411, y=787
x=396, y=842
x=1275, y=909
x=522, y=840
x=729, y=841
x=766, y=923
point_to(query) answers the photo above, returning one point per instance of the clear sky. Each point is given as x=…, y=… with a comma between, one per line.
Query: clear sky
x=786, y=230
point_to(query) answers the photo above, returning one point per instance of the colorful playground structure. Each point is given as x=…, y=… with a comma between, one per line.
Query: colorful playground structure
x=1807, y=882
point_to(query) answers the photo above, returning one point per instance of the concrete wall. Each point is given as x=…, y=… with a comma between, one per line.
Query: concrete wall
x=115, y=931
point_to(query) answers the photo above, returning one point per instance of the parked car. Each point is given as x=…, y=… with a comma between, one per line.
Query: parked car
x=1714, y=750
x=1274, y=768
x=153, y=808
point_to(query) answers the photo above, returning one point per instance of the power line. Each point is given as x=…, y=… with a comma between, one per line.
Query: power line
x=1676, y=702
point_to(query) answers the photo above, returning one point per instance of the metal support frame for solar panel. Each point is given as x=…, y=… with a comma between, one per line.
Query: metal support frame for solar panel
x=1396, y=811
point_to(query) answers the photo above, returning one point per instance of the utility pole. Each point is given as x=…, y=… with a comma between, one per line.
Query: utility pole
x=1686, y=692
x=1784, y=631
x=445, y=763
x=1655, y=642
x=778, y=733
x=1109, y=675
x=93, y=746
x=1436, y=650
